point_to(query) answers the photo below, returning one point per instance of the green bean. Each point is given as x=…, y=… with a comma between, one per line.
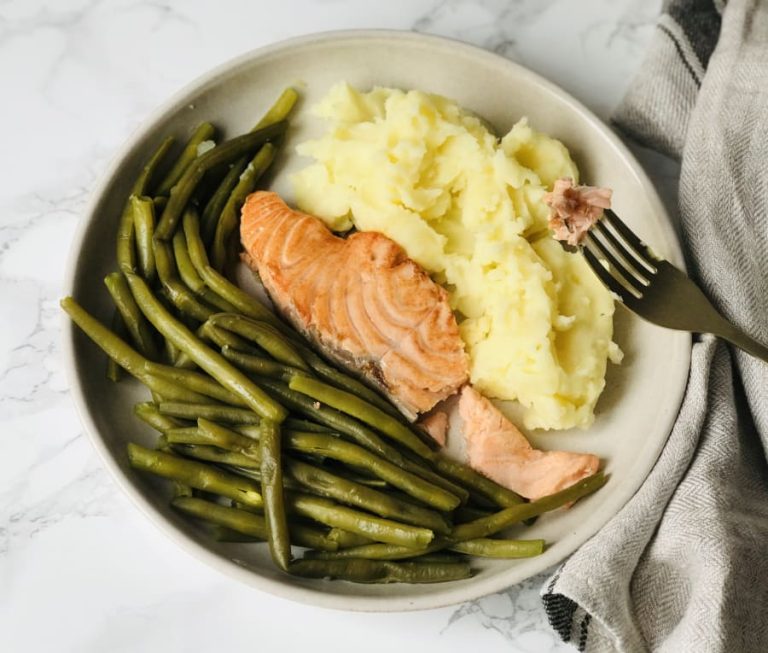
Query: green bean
x=126, y=252
x=148, y=413
x=191, y=278
x=379, y=529
x=369, y=481
x=334, y=419
x=179, y=489
x=342, y=423
x=488, y=548
x=251, y=472
x=280, y=109
x=119, y=328
x=500, y=495
x=291, y=423
x=216, y=413
x=214, y=455
x=245, y=303
x=225, y=438
x=126, y=240
x=197, y=475
x=369, y=550
x=178, y=294
x=229, y=218
x=433, y=477
x=341, y=380
x=205, y=131
x=224, y=534
x=318, y=480
x=380, y=551
x=172, y=383
x=183, y=361
x=338, y=420
x=496, y=522
x=215, y=204
x=296, y=424
x=345, y=539
x=258, y=365
x=332, y=486
x=247, y=523
x=186, y=435
x=362, y=410
x=210, y=361
x=143, y=210
x=440, y=557
x=195, y=381
x=479, y=528
x=170, y=352
x=116, y=348
x=311, y=537
x=171, y=391
x=213, y=209
x=378, y=571
x=172, y=355
x=143, y=183
x=470, y=513
x=272, y=492
x=159, y=378
x=219, y=155
x=134, y=320
x=264, y=335
x=352, y=454
x=223, y=338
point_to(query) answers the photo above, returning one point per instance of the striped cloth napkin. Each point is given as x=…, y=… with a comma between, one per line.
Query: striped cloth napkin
x=684, y=565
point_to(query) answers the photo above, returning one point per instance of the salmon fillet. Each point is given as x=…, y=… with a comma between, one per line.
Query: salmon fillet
x=575, y=209
x=497, y=449
x=361, y=299
x=436, y=426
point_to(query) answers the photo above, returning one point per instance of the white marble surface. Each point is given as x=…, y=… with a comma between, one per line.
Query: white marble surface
x=80, y=568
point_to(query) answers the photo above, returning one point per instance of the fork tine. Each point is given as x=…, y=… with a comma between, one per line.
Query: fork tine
x=636, y=246
x=608, y=281
x=615, y=267
x=621, y=252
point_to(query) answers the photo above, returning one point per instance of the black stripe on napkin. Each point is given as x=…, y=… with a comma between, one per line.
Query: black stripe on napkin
x=680, y=53
x=560, y=611
x=700, y=22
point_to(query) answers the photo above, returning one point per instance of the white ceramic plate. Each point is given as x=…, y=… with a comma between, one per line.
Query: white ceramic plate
x=637, y=410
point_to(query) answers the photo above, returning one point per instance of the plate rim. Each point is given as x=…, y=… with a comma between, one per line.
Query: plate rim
x=455, y=592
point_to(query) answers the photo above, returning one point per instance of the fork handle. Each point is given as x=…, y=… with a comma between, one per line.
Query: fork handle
x=742, y=341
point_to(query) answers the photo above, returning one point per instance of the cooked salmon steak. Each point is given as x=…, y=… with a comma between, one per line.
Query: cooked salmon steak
x=575, y=209
x=361, y=299
x=436, y=426
x=497, y=449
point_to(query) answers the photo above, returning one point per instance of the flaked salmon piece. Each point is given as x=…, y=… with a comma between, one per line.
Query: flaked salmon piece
x=436, y=426
x=361, y=299
x=497, y=449
x=575, y=209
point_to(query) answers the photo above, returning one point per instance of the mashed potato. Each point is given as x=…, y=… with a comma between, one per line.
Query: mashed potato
x=416, y=167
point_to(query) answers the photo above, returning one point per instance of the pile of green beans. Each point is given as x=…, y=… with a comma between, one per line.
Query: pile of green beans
x=262, y=439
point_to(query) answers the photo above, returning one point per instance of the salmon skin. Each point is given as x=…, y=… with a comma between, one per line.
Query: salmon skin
x=497, y=449
x=360, y=299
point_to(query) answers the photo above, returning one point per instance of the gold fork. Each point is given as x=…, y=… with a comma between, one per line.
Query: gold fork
x=653, y=288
